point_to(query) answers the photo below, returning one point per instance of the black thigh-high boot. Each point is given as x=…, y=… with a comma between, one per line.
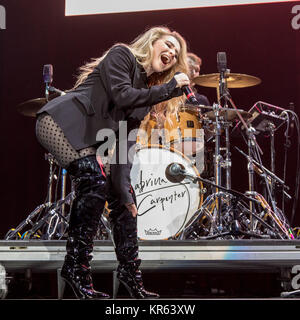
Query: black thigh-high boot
x=124, y=230
x=89, y=182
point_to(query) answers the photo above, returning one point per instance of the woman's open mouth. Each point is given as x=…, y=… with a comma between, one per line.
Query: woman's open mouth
x=165, y=59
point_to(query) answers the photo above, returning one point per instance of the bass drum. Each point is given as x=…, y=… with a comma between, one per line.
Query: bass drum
x=164, y=207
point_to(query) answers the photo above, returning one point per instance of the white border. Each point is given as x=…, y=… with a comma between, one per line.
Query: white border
x=88, y=7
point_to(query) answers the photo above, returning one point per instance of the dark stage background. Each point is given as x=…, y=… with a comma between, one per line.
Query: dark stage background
x=259, y=40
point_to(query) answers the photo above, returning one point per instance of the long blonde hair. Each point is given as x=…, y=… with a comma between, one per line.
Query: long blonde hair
x=142, y=49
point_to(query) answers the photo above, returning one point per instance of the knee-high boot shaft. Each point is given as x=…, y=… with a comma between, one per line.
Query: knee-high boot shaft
x=124, y=230
x=89, y=183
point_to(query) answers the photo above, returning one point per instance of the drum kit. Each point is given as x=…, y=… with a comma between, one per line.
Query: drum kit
x=182, y=195
x=182, y=175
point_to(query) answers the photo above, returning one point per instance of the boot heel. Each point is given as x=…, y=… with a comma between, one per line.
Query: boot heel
x=116, y=284
x=61, y=284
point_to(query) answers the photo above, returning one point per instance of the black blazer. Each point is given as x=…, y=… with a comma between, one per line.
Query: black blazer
x=116, y=90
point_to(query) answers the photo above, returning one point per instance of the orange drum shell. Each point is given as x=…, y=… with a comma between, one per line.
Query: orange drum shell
x=186, y=122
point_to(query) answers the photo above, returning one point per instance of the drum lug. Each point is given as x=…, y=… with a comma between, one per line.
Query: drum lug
x=203, y=190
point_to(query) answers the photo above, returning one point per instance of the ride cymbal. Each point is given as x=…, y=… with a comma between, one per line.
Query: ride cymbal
x=233, y=80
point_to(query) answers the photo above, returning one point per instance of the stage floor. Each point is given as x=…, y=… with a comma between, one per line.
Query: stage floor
x=170, y=266
x=39, y=255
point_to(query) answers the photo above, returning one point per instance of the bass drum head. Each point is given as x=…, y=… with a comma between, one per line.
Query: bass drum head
x=164, y=207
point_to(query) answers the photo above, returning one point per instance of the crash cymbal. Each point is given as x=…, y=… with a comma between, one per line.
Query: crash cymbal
x=229, y=115
x=234, y=80
x=29, y=108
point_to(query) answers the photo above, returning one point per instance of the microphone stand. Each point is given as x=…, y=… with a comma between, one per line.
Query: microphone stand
x=266, y=172
x=235, y=228
x=53, y=89
x=47, y=91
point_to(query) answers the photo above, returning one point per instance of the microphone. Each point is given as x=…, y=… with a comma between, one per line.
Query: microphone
x=222, y=67
x=221, y=62
x=48, y=78
x=190, y=95
x=175, y=172
x=48, y=73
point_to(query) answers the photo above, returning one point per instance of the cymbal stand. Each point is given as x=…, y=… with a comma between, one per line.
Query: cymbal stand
x=63, y=193
x=218, y=199
x=252, y=143
x=52, y=218
x=49, y=157
x=236, y=207
x=251, y=148
x=53, y=213
x=58, y=221
x=217, y=162
x=268, y=176
x=227, y=156
x=264, y=171
x=226, y=125
x=250, y=168
x=271, y=128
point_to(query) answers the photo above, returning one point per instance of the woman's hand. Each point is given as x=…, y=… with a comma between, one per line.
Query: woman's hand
x=182, y=79
x=132, y=208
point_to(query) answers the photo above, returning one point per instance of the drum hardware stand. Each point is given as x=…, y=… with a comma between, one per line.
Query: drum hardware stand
x=227, y=161
x=52, y=218
x=251, y=146
x=218, y=159
x=250, y=168
x=224, y=93
x=63, y=194
x=268, y=177
x=219, y=162
x=265, y=122
x=271, y=128
x=279, y=221
x=265, y=172
x=235, y=197
x=49, y=157
x=54, y=212
x=251, y=142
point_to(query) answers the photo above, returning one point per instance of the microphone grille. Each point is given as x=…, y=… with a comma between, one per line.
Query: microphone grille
x=48, y=73
x=221, y=61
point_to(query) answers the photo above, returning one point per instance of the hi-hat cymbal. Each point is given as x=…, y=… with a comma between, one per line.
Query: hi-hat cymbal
x=29, y=108
x=229, y=115
x=233, y=80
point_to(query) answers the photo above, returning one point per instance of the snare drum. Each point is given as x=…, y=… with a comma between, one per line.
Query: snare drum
x=164, y=207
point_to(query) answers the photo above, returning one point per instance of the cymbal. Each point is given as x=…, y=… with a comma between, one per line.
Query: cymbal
x=234, y=80
x=29, y=108
x=229, y=115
